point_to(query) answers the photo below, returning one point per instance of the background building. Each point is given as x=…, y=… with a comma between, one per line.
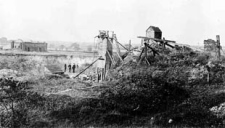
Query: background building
x=29, y=46
x=4, y=43
x=210, y=45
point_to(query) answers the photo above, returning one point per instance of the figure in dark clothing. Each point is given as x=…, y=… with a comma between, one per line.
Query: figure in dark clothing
x=69, y=66
x=74, y=67
x=65, y=66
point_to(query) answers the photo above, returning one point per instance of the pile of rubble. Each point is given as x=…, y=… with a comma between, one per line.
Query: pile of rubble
x=219, y=110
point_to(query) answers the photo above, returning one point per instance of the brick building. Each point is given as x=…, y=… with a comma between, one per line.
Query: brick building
x=30, y=46
x=210, y=45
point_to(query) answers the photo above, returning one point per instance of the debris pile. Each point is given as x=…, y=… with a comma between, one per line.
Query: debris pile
x=218, y=110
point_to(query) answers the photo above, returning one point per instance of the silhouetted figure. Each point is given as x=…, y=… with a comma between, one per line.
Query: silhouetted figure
x=77, y=66
x=74, y=67
x=65, y=66
x=69, y=66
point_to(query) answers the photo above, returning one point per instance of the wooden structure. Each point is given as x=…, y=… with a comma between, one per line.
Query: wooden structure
x=105, y=54
x=154, y=32
x=107, y=40
x=153, y=36
x=105, y=49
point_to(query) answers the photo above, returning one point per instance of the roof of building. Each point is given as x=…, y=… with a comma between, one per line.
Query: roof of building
x=156, y=29
x=54, y=69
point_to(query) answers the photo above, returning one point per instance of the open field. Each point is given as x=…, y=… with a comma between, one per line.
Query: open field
x=50, y=53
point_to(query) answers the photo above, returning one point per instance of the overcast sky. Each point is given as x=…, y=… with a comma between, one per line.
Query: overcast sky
x=185, y=21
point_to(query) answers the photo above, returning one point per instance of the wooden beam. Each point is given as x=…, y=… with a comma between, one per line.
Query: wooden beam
x=155, y=39
x=111, y=58
x=117, y=46
x=169, y=45
x=121, y=44
x=146, y=50
x=119, y=56
x=140, y=58
x=88, y=66
x=153, y=50
x=164, y=42
x=117, y=50
x=147, y=61
x=140, y=54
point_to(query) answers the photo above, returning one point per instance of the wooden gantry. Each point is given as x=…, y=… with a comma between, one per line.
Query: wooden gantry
x=147, y=46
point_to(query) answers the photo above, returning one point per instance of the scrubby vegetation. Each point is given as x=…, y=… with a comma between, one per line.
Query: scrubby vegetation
x=167, y=93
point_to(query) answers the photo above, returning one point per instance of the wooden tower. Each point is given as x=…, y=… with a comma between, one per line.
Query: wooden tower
x=105, y=50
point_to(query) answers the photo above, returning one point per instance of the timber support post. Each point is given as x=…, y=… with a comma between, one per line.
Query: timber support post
x=218, y=47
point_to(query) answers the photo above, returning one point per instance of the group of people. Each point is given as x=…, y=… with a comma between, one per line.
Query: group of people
x=71, y=68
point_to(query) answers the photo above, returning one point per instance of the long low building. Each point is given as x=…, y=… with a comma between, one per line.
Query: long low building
x=29, y=46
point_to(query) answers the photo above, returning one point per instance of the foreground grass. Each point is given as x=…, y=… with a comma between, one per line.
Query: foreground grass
x=119, y=104
x=78, y=109
x=143, y=97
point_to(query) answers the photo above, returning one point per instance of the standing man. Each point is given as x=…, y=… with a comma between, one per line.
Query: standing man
x=69, y=68
x=65, y=66
x=74, y=67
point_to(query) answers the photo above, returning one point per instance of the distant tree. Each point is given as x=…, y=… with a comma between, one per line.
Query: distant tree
x=75, y=46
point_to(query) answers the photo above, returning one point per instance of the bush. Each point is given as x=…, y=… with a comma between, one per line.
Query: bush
x=140, y=94
x=12, y=94
x=193, y=112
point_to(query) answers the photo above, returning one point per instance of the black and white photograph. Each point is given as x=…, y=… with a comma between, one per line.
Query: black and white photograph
x=112, y=64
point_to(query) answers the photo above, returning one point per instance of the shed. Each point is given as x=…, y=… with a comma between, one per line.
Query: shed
x=154, y=32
